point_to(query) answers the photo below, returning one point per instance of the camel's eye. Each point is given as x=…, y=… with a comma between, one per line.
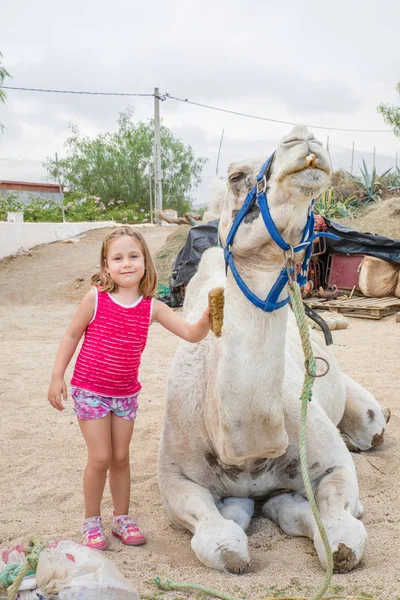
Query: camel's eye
x=237, y=177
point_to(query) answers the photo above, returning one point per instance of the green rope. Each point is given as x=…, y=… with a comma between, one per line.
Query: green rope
x=12, y=576
x=168, y=585
x=306, y=395
x=162, y=290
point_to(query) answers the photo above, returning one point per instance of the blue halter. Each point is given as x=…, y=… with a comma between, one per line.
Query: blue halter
x=306, y=243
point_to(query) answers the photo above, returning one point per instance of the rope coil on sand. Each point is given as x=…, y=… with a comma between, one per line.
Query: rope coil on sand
x=12, y=576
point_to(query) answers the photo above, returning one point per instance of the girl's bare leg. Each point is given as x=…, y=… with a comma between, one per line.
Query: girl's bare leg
x=97, y=435
x=120, y=474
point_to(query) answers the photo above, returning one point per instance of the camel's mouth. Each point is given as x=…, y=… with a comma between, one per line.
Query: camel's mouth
x=311, y=163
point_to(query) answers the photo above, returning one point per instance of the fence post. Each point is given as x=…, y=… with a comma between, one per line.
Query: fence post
x=352, y=159
x=329, y=152
x=151, y=199
x=395, y=162
x=60, y=189
x=373, y=163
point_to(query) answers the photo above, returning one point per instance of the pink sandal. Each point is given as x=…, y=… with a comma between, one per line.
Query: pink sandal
x=125, y=529
x=93, y=534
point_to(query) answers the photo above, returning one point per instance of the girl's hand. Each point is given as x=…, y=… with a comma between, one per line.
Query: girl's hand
x=57, y=390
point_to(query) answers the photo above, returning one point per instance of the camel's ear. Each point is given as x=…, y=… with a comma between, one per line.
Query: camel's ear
x=216, y=303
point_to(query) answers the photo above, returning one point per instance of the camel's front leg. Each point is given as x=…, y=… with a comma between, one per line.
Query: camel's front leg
x=217, y=542
x=339, y=507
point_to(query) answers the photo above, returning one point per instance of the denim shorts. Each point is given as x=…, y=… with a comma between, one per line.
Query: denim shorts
x=88, y=405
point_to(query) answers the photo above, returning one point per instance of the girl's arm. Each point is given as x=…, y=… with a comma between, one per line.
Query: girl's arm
x=68, y=345
x=191, y=332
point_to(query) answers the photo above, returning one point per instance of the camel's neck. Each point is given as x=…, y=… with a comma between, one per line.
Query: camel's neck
x=250, y=374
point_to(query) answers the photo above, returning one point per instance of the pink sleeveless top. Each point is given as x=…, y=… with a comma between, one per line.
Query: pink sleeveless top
x=108, y=362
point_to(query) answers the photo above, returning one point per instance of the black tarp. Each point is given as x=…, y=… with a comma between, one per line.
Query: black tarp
x=354, y=242
x=202, y=237
x=185, y=266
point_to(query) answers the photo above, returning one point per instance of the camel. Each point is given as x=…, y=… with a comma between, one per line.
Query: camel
x=231, y=423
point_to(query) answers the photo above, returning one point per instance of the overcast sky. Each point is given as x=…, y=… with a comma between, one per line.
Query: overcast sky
x=319, y=63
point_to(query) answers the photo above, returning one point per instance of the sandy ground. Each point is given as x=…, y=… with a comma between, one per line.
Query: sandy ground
x=42, y=453
x=379, y=218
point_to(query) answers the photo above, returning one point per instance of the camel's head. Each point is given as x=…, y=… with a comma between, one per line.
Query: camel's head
x=298, y=172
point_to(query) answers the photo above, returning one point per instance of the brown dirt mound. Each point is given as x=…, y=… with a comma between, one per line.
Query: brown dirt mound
x=165, y=257
x=381, y=218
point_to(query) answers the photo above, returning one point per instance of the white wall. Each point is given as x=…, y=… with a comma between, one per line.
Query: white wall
x=14, y=236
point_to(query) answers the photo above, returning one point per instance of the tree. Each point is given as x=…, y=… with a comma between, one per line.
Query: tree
x=116, y=166
x=3, y=74
x=391, y=114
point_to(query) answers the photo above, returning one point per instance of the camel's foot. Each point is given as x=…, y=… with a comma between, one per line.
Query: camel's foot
x=346, y=535
x=239, y=510
x=344, y=559
x=347, y=538
x=221, y=545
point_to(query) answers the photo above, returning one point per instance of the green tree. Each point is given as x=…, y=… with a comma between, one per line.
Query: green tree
x=391, y=114
x=3, y=74
x=116, y=166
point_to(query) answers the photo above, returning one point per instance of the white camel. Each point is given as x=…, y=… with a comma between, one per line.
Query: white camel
x=231, y=423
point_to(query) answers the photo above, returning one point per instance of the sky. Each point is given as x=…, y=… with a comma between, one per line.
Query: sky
x=325, y=64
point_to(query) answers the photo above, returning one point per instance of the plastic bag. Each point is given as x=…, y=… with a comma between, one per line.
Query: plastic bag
x=69, y=571
x=17, y=556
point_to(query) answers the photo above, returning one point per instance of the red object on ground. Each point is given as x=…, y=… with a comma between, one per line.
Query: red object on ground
x=320, y=224
x=343, y=271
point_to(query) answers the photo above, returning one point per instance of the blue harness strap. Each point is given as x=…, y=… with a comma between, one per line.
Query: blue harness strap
x=271, y=302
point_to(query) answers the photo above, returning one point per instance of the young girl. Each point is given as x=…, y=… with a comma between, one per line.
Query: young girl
x=115, y=317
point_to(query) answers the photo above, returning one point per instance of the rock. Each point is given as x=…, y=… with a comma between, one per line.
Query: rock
x=398, y=317
x=71, y=241
x=22, y=252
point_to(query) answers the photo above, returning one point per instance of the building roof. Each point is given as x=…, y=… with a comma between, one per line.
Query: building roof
x=29, y=186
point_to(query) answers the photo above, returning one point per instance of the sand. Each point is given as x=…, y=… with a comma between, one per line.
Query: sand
x=42, y=453
x=379, y=218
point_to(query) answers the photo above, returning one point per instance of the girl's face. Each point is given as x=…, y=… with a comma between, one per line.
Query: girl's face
x=125, y=262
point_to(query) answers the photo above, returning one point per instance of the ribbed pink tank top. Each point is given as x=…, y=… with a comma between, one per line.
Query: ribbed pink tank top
x=108, y=362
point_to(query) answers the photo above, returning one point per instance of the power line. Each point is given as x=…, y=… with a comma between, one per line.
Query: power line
x=240, y=114
x=7, y=87
x=187, y=101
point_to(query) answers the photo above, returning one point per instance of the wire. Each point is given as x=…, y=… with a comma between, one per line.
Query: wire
x=240, y=114
x=7, y=87
x=187, y=101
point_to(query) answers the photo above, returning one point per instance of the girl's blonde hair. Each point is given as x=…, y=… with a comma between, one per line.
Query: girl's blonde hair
x=148, y=283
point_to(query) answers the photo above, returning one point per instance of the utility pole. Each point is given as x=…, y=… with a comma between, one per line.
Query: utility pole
x=219, y=152
x=158, y=203
x=352, y=159
x=329, y=152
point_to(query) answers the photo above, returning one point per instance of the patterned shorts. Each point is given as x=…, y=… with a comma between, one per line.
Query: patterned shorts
x=88, y=405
